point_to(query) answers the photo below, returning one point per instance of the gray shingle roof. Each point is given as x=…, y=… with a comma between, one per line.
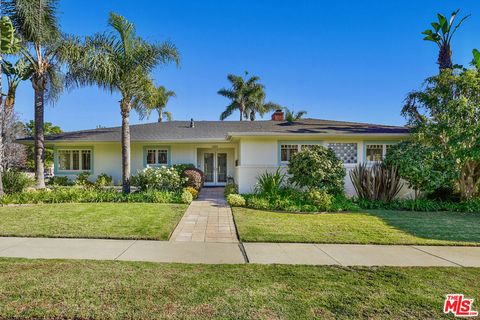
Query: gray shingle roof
x=220, y=130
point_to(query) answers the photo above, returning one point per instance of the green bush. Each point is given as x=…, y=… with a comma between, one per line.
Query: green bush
x=15, y=181
x=270, y=184
x=317, y=167
x=186, y=196
x=82, y=179
x=181, y=167
x=193, y=191
x=422, y=204
x=320, y=199
x=103, y=180
x=236, y=200
x=60, y=181
x=230, y=188
x=260, y=203
x=87, y=195
x=159, y=179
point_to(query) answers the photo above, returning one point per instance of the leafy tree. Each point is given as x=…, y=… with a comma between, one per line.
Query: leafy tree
x=422, y=167
x=244, y=93
x=48, y=129
x=292, y=116
x=36, y=23
x=118, y=62
x=156, y=98
x=442, y=33
x=444, y=116
x=317, y=167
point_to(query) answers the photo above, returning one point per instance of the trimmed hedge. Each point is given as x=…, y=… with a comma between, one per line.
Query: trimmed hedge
x=422, y=205
x=73, y=194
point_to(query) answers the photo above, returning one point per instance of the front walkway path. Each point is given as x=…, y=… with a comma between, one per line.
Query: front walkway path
x=231, y=253
x=207, y=219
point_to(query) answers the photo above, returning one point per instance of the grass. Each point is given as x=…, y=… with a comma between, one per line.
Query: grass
x=91, y=220
x=373, y=227
x=134, y=290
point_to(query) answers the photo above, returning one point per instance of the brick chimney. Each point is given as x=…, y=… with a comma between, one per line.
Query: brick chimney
x=278, y=115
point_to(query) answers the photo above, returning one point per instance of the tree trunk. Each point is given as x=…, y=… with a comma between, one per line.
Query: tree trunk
x=160, y=115
x=125, y=146
x=469, y=179
x=1, y=135
x=38, y=83
x=252, y=115
x=445, y=57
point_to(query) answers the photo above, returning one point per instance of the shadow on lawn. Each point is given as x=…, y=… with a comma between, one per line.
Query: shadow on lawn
x=450, y=226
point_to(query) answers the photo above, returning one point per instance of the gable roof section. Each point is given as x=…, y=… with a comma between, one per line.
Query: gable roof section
x=223, y=130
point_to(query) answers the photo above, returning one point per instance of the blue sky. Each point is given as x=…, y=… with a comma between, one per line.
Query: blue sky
x=342, y=60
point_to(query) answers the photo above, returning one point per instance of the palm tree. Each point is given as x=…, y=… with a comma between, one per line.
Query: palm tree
x=20, y=71
x=118, y=62
x=155, y=99
x=242, y=94
x=442, y=34
x=292, y=116
x=36, y=23
x=9, y=44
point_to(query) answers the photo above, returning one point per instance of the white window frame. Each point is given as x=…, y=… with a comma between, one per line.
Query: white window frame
x=156, y=150
x=384, y=149
x=80, y=160
x=298, y=144
x=288, y=144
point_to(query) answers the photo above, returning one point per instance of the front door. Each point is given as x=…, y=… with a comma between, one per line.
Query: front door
x=215, y=168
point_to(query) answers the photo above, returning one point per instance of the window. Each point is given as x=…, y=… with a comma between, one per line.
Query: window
x=74, y=160
x=286, y=151
x=307, y=146
x=347, y=152
x=157, y=156
x=376, y=152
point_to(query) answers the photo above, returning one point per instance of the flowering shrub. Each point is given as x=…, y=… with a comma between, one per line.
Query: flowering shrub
x=161, y=179
x=186, y=196
x=193, y=191
x=235, y=200
x=193, y=178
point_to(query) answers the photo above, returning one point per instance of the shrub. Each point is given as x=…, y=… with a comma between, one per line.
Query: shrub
x=59, y=181
x=193, y=178
x=186, y=196
x=159, y=179
x=193, y=191
x=270, y=184
x=423, y=205
x=16, y=181
x=82, y=179
x=181, y=167
x=230, y=188
x=317, y=167
x=236, y=200
x=320, y=199
x=103, y=180
x=84, y=195
x=376, y=182
x=260, y=203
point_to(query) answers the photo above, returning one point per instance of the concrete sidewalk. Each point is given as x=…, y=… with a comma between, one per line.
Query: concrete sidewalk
x=232, y=253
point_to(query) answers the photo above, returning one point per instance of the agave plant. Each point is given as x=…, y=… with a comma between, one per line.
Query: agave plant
x=270, y=184
x=377, y=182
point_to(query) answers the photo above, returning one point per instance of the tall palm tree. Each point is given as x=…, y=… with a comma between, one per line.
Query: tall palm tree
x=37, y=25
x=9, y=44
x=442, y=34
x=119, y=61
x=156, y=98
x=292, y=116
x=242, y=92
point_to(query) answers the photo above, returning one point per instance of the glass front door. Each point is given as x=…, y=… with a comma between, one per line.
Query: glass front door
x=215, y=167
x=221, y=167
x=209, y=167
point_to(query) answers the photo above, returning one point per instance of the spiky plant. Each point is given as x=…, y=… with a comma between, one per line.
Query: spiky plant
x=442, y=33
x=376, y=182
x=121, y=62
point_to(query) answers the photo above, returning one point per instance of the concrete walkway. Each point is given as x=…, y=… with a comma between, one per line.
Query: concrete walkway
x=233, y=253
x=207, y=219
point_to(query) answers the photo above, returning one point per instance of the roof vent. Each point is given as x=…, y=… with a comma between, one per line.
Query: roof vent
x=278, y=115
x=192, y=123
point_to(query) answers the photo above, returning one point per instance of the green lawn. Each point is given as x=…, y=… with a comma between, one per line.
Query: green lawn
x=91, y=220
x=376, y=227
x=133, y=290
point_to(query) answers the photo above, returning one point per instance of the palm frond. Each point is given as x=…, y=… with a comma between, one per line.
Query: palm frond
x=229, y=110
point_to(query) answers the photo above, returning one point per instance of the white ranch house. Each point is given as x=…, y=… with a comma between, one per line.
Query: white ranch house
x=222, y=149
